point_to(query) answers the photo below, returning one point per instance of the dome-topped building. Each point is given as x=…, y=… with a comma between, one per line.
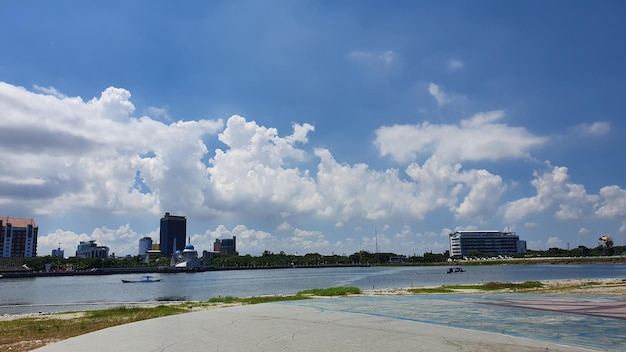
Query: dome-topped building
x=188, y=258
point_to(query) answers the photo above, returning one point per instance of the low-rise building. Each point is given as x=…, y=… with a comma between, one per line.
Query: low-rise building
x=226, y=246
x=89, y=249
x=58, y=253
x=188, y=258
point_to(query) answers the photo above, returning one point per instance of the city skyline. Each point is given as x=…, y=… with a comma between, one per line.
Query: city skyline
x=314, y=126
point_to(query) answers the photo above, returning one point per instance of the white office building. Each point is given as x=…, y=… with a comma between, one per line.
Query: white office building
x=89, y=249
x=464, y=243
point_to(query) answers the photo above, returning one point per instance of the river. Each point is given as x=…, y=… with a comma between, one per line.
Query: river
x=49, y=294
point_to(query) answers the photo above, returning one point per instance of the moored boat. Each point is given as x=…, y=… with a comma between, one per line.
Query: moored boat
x=146, y=278
x=456, y=269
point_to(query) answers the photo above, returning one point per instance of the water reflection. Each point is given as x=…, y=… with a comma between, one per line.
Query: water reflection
x=49, y=293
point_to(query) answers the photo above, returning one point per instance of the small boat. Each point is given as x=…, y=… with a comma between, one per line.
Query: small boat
x=146, y=278
x=456, y=269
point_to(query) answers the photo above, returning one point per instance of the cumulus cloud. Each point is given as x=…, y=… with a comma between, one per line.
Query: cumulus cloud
x=613, y=202
x=62, y=154
x=484, y=195
x=253, y=173
x=555, y=193
x=86, y=154
x=477, y=138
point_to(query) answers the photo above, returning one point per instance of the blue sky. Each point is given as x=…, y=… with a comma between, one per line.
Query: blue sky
x=311, y=126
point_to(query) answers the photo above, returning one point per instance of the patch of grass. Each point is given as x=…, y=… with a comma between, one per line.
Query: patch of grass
x=267, y=299
x=497, y=286
x=253, y=300
x=134, y=313
x=333, y=291
x=592, y=283
x=489, y=286
x=30, y=333
x=430, y=290
x=226, y=299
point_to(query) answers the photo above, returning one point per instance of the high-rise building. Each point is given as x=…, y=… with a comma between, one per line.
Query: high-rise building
x=18, y=237
x=463, y=243
x=145, y=244
x=173, y=234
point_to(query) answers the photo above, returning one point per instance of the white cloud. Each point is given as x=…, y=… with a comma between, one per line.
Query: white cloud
x=388, y=57
x=455, y=65
x=284, y=227
x=158, y=112
x=372, y=57
x=91, y=156
x=443, y=97
x=555, y=193
x=87, y=154
x=554, y=242
x=478, y=138
x=483, y=197
x=252, y=172
x=354, y=191
x=595, y=129
x=613, y=202
x=440, y=96
x=50, y=91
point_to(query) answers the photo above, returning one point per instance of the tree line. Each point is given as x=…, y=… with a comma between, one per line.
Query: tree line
x=281, y=259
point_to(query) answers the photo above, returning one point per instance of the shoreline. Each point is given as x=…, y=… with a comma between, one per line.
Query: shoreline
x=608, y=287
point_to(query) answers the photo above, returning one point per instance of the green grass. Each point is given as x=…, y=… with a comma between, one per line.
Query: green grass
x=252, y=300
x=592, y=283
x=138, y=313
x=497, y=286
x=333, y=291
x=225, y=299
x=489, y=286
x=30, y=333
x=441, y=289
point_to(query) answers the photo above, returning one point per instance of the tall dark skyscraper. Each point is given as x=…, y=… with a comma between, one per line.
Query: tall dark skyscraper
x=173, y=232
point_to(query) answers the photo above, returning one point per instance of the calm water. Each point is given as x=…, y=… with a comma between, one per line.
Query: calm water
x=47, y=294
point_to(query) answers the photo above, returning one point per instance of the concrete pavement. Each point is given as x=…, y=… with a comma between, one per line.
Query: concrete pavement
x=285, y=327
